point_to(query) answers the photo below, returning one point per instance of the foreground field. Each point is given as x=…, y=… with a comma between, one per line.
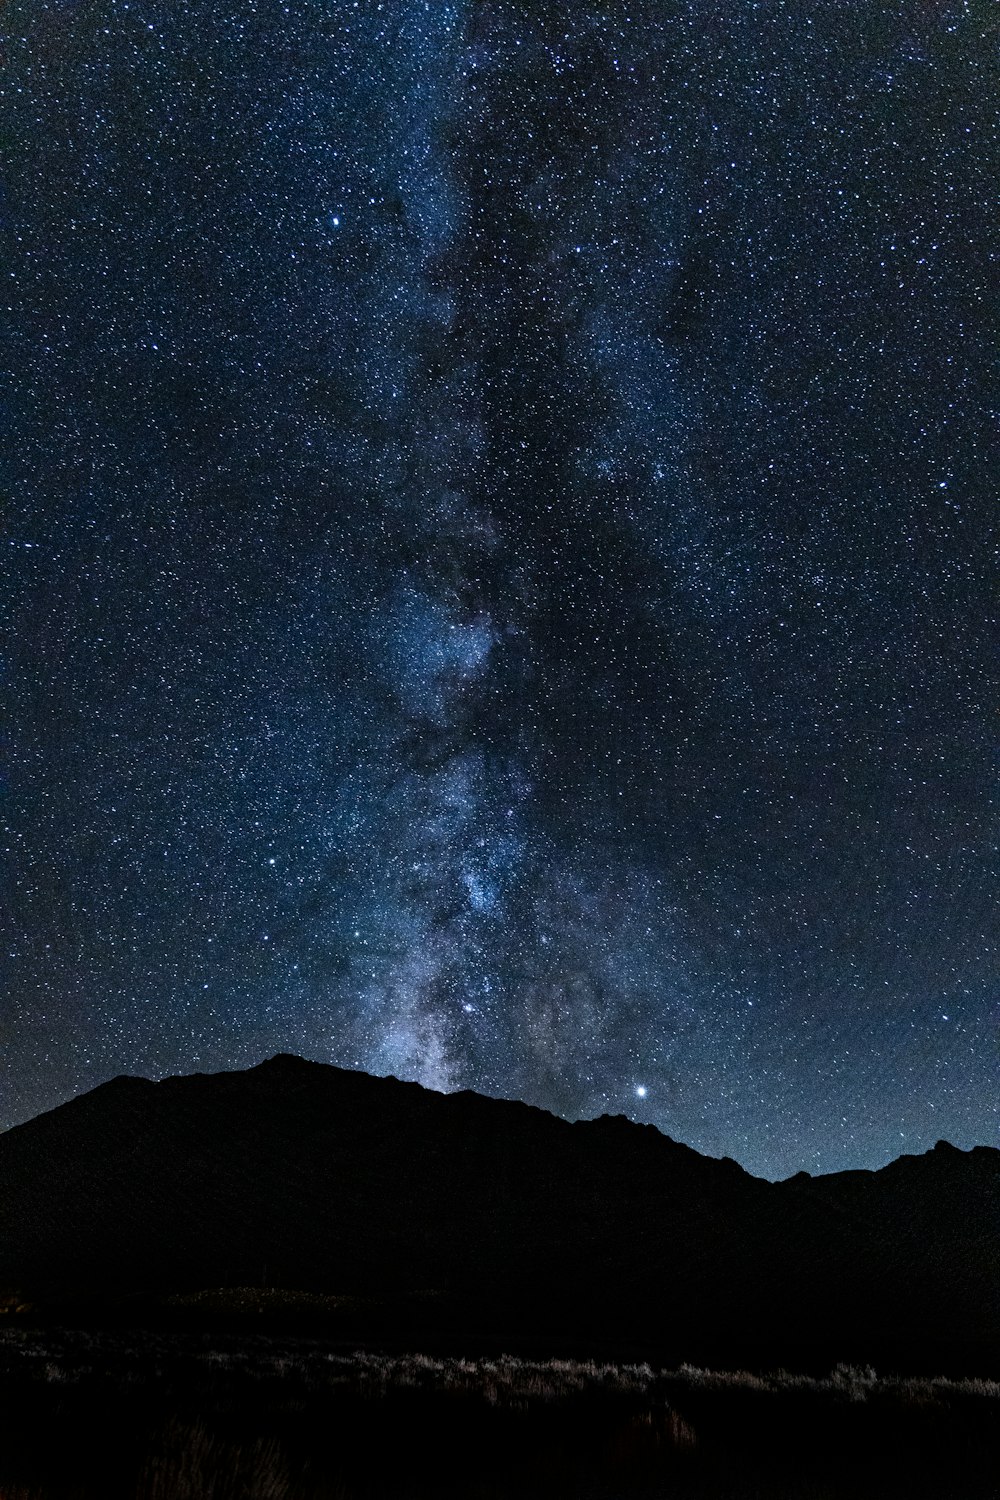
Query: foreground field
x=179, y=1417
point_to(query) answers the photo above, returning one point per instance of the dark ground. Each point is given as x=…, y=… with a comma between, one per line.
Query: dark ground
x=180, y=1416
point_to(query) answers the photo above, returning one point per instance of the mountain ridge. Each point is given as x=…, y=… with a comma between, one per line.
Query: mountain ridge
x=301, y=1175
x=283, y=1059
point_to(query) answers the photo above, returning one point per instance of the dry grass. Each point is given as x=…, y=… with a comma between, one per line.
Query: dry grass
x=184, y=1417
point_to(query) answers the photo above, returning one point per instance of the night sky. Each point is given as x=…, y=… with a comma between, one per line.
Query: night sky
x=498, y=546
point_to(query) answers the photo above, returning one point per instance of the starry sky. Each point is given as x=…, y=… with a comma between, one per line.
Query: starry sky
x=498, y=537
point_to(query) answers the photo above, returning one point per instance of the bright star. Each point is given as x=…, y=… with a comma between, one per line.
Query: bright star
x=641, y=1091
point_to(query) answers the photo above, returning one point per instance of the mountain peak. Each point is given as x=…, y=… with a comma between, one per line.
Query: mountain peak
x=285, y=1062
x=607, y=1230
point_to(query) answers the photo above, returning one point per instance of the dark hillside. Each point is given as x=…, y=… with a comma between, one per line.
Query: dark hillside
x=302, y=1176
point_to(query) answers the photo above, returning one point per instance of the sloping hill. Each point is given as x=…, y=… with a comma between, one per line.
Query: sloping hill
x=298, y=1175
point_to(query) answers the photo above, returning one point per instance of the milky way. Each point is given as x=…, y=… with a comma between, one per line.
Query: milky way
x=499, y=552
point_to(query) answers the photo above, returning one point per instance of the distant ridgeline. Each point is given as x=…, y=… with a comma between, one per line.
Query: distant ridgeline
x=473, y=1221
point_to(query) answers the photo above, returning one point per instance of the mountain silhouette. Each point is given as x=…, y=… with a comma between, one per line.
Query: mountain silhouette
x=526, y=1227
